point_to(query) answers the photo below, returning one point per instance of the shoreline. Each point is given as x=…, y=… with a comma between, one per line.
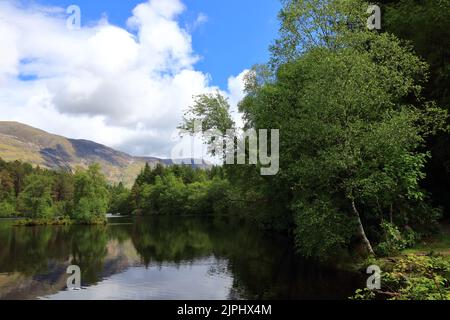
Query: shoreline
x=60, y=221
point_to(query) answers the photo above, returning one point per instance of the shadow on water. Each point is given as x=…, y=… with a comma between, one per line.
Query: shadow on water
x=162, y=258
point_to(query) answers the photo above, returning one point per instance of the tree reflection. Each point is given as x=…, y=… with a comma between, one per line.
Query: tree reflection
x=261, y=266
x=171, y=240
x=88, y=250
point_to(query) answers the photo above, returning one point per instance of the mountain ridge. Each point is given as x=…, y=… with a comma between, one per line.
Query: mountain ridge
x=22, y=142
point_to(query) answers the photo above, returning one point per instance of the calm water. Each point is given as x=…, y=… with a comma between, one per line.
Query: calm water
x=161, y=258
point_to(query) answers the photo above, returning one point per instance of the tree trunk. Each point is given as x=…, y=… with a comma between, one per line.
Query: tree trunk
x=361, y=231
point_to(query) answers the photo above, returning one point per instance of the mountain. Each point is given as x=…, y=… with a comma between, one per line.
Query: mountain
x=22, y=142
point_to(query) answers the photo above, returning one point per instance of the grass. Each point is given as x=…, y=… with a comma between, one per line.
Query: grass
x=439, y=244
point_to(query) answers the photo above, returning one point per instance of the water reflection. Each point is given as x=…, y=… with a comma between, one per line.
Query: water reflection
x=161, y=258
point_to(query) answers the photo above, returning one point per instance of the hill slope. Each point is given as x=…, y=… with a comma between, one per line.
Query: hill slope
x=22, y=142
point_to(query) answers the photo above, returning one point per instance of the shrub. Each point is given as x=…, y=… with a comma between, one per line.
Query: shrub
x=7, y=209
x=394, y=242
x=412, y=277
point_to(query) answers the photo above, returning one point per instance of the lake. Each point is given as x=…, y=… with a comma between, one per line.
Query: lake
x=162, y=258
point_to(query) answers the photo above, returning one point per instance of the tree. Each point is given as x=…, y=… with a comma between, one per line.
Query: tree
x=212, y=113
x=63, y=192
x=349, y=145
x=307, y=24
x=91, y=195
x=35, y=201
x=7, y=197
x=212, y=109
x=350, y=138
x=119, y=199
x=41, y=194
x=173, y=196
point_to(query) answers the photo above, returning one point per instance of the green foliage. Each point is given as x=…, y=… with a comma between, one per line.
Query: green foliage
x=180, y=190
x=35, y=201
x=91, y=196
x=321, y=231
x=363, y=294
x=340, y=96
x=412, y=277
x=393, y=240
x=7, y=209
x=212, y=110
x=59, y=221
x=348, y=103
x=310, y=24
x=345, y=133
x=173, y=194
x=210, y=113
x=50, y=197
x=120, y=198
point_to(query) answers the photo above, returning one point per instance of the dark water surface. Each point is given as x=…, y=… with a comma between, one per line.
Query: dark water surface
x=161, y=258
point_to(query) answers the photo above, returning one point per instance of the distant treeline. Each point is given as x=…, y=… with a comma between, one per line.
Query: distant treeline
x=178, y=189
x=38, y=193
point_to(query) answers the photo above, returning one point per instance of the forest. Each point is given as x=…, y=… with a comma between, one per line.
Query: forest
x=52, y=197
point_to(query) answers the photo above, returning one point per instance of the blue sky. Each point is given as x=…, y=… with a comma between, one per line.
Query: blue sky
x=236, y=35
x=127, y=86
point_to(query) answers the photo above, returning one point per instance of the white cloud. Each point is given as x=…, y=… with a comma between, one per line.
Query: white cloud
x=201, y=19
x=125, y=88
